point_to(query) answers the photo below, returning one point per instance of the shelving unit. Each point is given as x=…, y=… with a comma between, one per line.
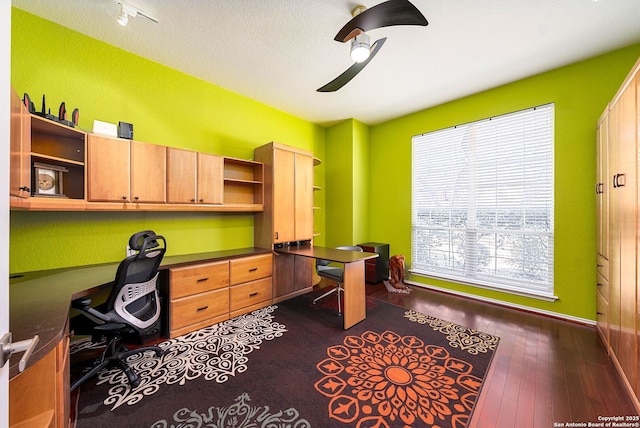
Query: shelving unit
x=243, y=182
x=59, y=146
x=100, y=173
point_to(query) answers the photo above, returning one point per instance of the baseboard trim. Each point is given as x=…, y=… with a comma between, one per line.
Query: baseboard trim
x=523, y=308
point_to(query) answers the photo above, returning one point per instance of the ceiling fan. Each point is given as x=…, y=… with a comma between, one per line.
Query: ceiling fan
x=387, y=14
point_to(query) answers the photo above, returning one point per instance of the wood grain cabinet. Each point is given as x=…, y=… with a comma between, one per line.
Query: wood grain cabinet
x=617, y=258
x=199, y=296
x=203, y=294
x=125, y=171
x=288, y=214
x=111, y=174
x=193, y=178
x=50, y=146
x=39, y=396
x=251, y=284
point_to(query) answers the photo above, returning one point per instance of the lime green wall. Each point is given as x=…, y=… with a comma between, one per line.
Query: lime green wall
x=360, y=180
x=347, y=182
x=339, y=184
x=166, y=107
x=170, y=108
x=580, y=93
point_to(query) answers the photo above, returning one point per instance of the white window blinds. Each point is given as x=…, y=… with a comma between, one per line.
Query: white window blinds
x=482, y=203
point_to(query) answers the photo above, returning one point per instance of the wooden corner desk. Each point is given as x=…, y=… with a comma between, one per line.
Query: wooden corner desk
x=355, y=309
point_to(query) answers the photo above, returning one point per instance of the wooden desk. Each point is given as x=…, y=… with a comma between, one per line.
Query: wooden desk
x=39, y=304
x=355, y=309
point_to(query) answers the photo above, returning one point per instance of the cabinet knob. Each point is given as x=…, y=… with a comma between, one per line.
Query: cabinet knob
x=136, y=197
x=193, y=200
x=201, y=200
x=124, y=198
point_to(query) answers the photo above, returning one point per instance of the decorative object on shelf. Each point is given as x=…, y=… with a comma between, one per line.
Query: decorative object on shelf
x=62, y=112
x=125, y=130
x=105, y=128
x=48, y=180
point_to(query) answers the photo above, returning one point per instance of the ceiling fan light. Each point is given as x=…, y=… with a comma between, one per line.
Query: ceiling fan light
x=360, y=48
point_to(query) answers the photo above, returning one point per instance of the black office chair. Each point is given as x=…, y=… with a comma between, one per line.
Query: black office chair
x=333, y=273
x=131, y=313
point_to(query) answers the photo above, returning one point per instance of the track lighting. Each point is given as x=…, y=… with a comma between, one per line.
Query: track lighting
x=127, y=10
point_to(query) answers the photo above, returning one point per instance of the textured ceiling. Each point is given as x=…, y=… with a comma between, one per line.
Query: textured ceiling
x=280, y=51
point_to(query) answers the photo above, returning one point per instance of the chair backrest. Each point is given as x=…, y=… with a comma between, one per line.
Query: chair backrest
x=134, y=297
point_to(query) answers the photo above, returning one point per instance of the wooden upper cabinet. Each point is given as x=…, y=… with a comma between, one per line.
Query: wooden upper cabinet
x=20, y=143
x=108, y=169
x=210, y=179
x=148, y=172
x=181, y=176
x=125, y=171
x=193, y=177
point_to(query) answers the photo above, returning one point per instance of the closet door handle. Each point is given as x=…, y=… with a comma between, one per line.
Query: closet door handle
x=617, y=182
x=599, y=188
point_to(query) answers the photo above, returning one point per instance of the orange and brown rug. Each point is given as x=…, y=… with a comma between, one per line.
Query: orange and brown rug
x=292, y=365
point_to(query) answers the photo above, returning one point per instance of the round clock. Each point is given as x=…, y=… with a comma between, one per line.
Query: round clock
x=45, y=182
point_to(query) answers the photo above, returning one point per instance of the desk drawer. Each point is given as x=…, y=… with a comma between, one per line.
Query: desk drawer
x=250, y=268
x=603, y=285
x=251, y=293
x=602, y=265
x=193, y=309
x=185, y=281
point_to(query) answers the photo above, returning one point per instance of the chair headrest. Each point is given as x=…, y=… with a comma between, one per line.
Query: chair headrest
x=145, y=240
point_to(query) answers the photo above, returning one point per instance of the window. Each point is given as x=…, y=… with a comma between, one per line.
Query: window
x=482, y=203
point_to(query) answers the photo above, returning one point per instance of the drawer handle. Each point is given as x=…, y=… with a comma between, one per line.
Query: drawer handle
x=202, y=308
x=599, y=284
x=253, y=294
x=202, y=279
x=253, y=269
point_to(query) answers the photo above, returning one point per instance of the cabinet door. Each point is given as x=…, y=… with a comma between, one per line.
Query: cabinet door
x=283, y=196
x=303, y=197
x=622, y=286
x=108, y=169
x=181, y=176
x=602, y=188
x=148, y=172
x=210, y=179
x=20, y=143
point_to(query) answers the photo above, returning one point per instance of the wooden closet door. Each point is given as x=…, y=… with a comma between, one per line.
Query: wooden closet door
x=625, y=182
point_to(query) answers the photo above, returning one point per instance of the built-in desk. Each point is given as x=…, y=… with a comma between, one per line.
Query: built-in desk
x=355, y=309
x=40, y=301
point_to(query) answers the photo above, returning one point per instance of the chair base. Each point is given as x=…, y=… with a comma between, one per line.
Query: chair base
x=337, y=289
x=117, y=359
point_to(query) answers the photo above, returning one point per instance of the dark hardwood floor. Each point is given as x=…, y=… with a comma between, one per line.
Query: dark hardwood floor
x=545, y=371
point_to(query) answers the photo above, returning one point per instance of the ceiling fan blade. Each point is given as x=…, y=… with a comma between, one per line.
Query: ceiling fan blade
x=351, y=72
x=387, y=14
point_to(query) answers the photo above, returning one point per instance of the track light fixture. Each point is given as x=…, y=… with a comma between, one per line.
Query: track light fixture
x=127, y=10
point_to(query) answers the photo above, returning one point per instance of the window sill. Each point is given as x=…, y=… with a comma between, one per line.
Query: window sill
x=488, y=286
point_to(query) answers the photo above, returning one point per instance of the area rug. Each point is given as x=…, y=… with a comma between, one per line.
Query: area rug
x=293, y=365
